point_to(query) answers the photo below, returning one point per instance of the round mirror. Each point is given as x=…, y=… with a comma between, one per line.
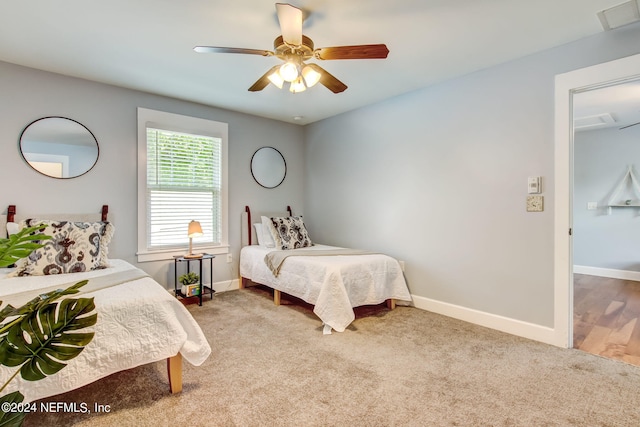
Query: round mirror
x=268, y=167
x=59, y=147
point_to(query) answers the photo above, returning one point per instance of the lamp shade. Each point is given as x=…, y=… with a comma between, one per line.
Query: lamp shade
x=276, y=79
x=195, y=229
x=297, y=85
x=289, y=71
x=311, y=76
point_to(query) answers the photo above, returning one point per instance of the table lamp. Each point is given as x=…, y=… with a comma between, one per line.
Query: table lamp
x=195, y=230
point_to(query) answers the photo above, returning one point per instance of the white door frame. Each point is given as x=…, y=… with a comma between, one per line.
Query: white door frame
x=601, y=75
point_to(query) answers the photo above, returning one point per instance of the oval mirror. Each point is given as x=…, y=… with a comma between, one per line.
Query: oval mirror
x=59, y=147
x=268, y=167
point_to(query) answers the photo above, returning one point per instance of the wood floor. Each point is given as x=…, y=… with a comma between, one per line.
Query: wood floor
x=606, y=315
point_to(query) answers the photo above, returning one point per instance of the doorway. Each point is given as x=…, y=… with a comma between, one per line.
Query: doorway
x=567, y=86
x=606, y=207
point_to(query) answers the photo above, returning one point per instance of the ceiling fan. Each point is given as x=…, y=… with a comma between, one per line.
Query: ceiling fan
x=295, y=49
x=628, y=126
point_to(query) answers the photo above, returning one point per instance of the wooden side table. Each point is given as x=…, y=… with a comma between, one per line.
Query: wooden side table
x=200, y=260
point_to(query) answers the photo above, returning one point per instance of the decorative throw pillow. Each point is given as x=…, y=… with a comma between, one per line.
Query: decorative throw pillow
x=74, y=247
x=291, y=233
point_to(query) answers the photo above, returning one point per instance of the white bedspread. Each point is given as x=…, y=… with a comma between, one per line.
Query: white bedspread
x=139, y=322
x=333, y=284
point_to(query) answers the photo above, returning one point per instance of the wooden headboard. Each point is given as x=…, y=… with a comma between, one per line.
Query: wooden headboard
x=246, y=236
x=12, y=216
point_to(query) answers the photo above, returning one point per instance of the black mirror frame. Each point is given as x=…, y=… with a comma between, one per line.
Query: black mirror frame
x=283, y=160
x=58, y=117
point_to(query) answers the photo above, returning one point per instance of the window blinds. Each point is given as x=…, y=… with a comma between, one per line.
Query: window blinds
x=183, y=184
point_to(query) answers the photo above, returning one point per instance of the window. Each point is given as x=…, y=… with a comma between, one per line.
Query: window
x=182, y=164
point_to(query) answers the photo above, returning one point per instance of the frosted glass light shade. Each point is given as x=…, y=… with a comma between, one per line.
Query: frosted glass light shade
x=297, y=86
x=276, y=79
x=289, y=71
x=311, y=76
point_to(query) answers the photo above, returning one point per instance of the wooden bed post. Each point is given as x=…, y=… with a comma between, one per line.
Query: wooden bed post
x=276, y=297
x=391, y=303
x=11, y=213
x=105, y=211
x=248, y=211
x=243, y=282
x=174, y=369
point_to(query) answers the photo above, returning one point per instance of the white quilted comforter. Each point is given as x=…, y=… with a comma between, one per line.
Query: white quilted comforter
x=333, y=284
x=139, y=322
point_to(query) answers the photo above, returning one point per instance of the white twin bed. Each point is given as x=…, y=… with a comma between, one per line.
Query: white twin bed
x=138, y=322
x=332, y=279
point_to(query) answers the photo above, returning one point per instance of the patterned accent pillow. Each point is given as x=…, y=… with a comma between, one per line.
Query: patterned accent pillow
x=290, y=233
x=74, y=247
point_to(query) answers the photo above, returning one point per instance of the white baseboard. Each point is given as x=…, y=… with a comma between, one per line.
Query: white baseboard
x=511, y=326
x=226, y=285
x=607, y=272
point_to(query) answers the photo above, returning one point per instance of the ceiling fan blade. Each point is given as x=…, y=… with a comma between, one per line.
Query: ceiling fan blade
x=628, y=126
x=328, y=80
x=263, y=81
x=365, y=51
x=216, y=49
x=290, y=18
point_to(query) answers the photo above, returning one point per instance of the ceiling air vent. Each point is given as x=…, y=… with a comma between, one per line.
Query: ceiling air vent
x=591, y=122
x=620, y=15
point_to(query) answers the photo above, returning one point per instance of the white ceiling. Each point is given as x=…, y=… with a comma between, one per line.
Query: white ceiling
x=147, y=44
x=612, y=106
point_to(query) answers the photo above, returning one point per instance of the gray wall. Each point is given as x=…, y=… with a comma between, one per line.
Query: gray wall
x=438, y=178
x=110, y=113
x=601, y=158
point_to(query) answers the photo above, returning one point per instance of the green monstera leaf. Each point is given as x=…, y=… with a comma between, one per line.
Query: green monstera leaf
x=40, y=336
x=8, y=418
x=46, y=337
x=20, y=245
x=37, y=303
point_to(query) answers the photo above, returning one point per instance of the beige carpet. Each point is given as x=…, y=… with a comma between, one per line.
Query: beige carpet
x=271, y=366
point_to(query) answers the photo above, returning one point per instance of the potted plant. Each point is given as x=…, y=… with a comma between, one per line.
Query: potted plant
x=188, y=280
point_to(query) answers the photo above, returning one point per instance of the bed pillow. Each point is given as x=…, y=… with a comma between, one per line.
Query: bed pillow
x=12, y=228
x=290, y=233
x=258, y=228
x=268, y=233
x=74, y=247
x=259, y=234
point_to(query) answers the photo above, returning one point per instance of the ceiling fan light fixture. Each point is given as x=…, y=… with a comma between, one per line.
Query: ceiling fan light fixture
x=297, y=85
x=311, y=76
x=294, y=49
x=289, y=71
x=276, y=79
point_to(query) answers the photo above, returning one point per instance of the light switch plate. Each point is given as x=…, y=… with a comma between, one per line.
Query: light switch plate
x=535, y=203
x=534, y=185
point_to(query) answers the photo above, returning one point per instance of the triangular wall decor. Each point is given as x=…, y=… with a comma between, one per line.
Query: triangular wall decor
x=629, y=199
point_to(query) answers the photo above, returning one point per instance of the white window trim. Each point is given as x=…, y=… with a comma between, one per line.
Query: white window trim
x=186, y=124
